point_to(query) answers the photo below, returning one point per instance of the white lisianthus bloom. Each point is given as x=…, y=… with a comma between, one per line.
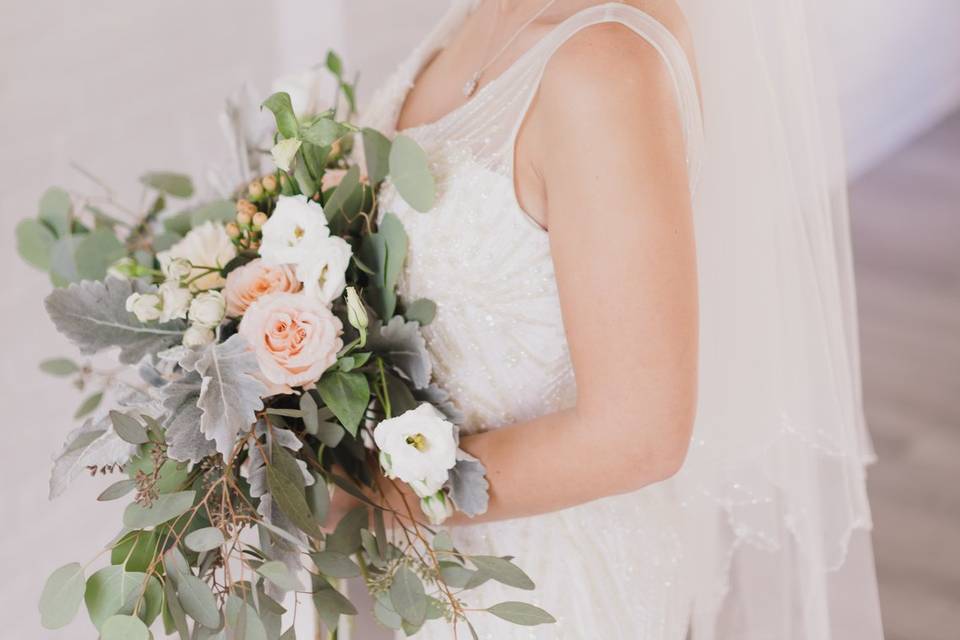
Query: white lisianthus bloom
x=418, y=447
x=198, y=336
x=146, y=306
x=436, y=507
x=208, y=309
x=324, y=273
x=175, y=301
x=206, y=246
x=295, y=232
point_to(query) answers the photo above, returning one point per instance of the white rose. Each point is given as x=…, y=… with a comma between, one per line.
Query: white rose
x=310, y=91
x=324, y=273
x=146, y=306
x=197, y=336
x=436, y=507
x=206, y=246
x=418, y=447
x=174, y=268
x=295, y=232
x=175, y=301
x=208, y=309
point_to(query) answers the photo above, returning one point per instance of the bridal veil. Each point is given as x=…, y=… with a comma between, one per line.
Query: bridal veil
x=774, y=480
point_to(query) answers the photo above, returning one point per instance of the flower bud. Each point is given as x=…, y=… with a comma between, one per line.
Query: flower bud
x=145, y=306
x=197, y=336
x=255, y=189
x=270, y=183
x=436, y=507
x=176, y=301
x=259, y=219
x=174, y=268
x=208, y=309
x=357, y=314
x=233, y=230
x=124, y=268
x=244, y=218
x=243, y=205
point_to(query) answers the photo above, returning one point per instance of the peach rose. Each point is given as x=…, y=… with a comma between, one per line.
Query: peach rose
x=256, y=279
x=294, y=336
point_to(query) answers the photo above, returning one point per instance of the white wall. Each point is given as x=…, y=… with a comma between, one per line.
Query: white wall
x=898, y=63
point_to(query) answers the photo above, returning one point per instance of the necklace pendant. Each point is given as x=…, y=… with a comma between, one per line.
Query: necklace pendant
x=471, y=86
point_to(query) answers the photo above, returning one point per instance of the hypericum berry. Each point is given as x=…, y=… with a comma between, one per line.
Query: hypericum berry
x=269, y=183
x=244, y=218
x=233, y=230
x=255, y=189
x=259, y=219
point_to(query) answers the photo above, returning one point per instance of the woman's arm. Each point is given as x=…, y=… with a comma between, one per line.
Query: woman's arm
x=601, y=161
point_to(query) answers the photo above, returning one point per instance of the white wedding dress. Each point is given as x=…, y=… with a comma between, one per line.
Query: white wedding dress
x=618, y=568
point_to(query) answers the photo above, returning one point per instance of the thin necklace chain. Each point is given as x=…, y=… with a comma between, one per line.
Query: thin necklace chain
x=471, y=86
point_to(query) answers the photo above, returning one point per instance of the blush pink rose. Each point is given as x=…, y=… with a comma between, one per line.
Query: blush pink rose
x=254, y=280
x=294, y=336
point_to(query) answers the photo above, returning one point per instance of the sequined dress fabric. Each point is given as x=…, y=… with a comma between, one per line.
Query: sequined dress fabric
x=609, y=569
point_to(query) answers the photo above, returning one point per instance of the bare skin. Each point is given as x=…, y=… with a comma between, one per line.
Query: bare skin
x=600, y=165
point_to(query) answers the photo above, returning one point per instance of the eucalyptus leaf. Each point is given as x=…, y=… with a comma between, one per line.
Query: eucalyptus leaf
x=35, y=242
x=334, y=63
x=124, y=628
x=63, y=261
x=318, y=497
x=330, y=433
x=345, y=538
x=308, y=411
x=136, y=551
x=117, y=490
x=503, y=571
x=89, y=405
x=111, y=591
x=242, y=621
x=408, y=596
x=94, y=316
x=347, y=395
x=422, y=311
x=177, y=614
x=282, y=108
x=335, y=565
x=456, y=575
x=521, y=613
x=61, y=597
x=278, y=573
x=410, y=173
x=376, y=152
x=198, y=601
x=384, y=252
x=59, y=367
x=55, y=209
x=336, y=205
x=96, y=252
x=330, y=605
x=290, y=498
x=216, y=211
x=204, y=539
x=177, y=185
x=128, y=428
x=164, y=508
x=384, y=613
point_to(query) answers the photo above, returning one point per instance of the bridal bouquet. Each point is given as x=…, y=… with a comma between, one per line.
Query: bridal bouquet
x=266, y=363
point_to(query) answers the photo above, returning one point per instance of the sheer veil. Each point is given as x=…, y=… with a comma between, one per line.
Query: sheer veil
x=774, y=481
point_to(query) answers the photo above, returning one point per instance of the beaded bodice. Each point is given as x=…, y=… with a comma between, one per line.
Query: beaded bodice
x=497, y=341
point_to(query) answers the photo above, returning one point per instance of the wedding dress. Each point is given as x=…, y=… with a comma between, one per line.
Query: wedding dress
x=676, y=556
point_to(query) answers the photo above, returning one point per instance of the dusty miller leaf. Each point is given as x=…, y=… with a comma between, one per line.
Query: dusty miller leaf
x=404, y=347
x=93, y=444
x=93, y=315
x=469, y=488
x=230, y=391
x=185, y=440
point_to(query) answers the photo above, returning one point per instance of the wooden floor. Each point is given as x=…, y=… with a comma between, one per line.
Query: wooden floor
x=906, y=226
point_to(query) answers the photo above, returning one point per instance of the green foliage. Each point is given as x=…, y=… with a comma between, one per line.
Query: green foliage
x=166, y=507
x=56, y=210
x=124, y=628
x=521, y=613
x=503, y=571
x=59, y=367
x=278, y=573
x=117, y=490
x=205, y=539
x=281, y=107
x=128, y=428
x=35, y=243
x=177, y=185
x=198, y=600
x=61, y=597
x=95, y=252
x=376, y=152
x=408, y=597
x=347, y=395
x=384, y=252
x=410, y=173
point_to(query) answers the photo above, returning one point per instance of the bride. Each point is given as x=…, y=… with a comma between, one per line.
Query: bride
x=640, y=259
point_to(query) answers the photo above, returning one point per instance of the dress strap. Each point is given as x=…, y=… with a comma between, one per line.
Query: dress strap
x=528, y=78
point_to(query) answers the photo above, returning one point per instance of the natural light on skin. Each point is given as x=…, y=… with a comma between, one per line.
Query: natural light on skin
x=636, y=403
